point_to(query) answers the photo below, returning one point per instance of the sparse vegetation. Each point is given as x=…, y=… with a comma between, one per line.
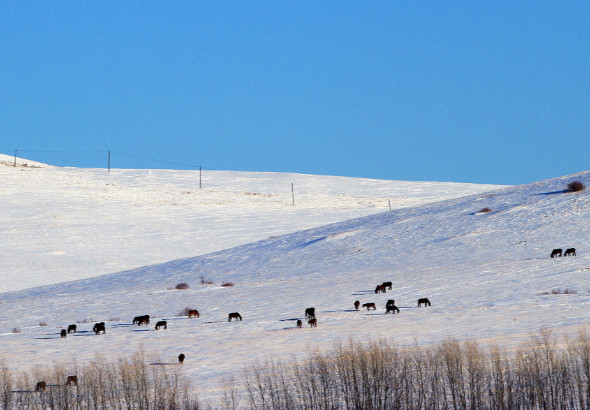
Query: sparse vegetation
x=135, y=382
x=558, y=291
x=182, y=286
x=227, y=284
x=485, y=210
x=185, y=311
x=206, y=281
x=16, y=330
x=42, y=323
x=450, y=375
x=575, y=186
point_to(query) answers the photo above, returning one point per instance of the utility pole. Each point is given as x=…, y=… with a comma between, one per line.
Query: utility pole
x=200, y=176
x=109, y=161
x=15, y=151
x=293, y=193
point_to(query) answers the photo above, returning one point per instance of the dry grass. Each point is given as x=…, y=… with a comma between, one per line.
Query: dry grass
x=182, y=286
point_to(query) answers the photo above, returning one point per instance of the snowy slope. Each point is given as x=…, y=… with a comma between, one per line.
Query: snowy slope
x=487, y=275
x=60, y=224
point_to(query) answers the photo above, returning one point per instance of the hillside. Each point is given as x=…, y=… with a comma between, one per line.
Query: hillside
x=61, y=224
x=488, y=275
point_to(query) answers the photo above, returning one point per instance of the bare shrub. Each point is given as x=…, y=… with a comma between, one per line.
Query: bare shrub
x=182, y=285
x=42, y=323
x=124, y=383
x=16, y=330
x=539, y=374
x=558, y=291
x=485, y=210
x=185, y=311
x=227, y=284
x=206, y=281
x=575, y=186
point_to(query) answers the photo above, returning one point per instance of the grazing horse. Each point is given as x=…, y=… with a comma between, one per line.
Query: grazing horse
x=161, y=323
x=99, y=327
x=555, y=253
x=357, y=304
x=41, y=386
x=234, y=315
x=141, y=320
x=380, y=289
x=369, y=306
x=72, y=328
x=313, y=322
x=392, y=309
x=181, y=358
x=63, y=333
x=570, y=252
x=310, y=313
x=387, y=285
x=299, y=323
x=72, y=380
x=424, y=301
x=193, y=313
x=390, y=302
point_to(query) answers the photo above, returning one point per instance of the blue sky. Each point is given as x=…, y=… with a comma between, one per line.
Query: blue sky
x=487, y=92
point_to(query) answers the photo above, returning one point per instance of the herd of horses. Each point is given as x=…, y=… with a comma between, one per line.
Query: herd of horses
x=556, y=253
x=390, y=307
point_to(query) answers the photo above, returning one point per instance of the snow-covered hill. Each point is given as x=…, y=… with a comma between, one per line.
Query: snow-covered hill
x=488, y=275
x=61, y=224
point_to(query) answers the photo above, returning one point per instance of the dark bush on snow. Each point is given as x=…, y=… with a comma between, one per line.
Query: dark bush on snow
x=575, y=186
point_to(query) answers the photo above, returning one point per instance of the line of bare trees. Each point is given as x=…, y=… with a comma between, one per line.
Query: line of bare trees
x=141, y=381
x=539, y=374
x=543, y=373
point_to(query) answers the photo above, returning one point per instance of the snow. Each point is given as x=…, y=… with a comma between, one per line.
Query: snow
x=488, y=275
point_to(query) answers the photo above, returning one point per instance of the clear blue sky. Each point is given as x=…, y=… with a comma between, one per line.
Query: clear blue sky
x=488, y=92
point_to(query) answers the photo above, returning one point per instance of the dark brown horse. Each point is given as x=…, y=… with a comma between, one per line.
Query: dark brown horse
x=310, y=313
x=161, y=323
x=72, y=380
x=181, y=358
x=141, y=320
x=299, y=323
x=357, y=304
x=41, y=386
x=72, y=328
x=313, y=322
x=234, y=316
x=99, y=327
x=556, y=253
x=424, y=301
x=63, y=333
x=193, y=313
x=570, y=252
x=369, y=306
x=387, y=285
x=391, y=308
x=380, y=289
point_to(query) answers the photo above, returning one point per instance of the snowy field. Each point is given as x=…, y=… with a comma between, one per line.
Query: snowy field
x=488, y=274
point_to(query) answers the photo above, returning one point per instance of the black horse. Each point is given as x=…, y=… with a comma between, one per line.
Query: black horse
x=141, y=320
x=63, y=333
x=181, y=358
x=424, y=301
x=392, y=309
x=310, y=313
x=161, y=323
x=556, y=253
x=72, y=328
x=387, y=285
x=570, y=252
x=99, y=327
x=234, y=316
